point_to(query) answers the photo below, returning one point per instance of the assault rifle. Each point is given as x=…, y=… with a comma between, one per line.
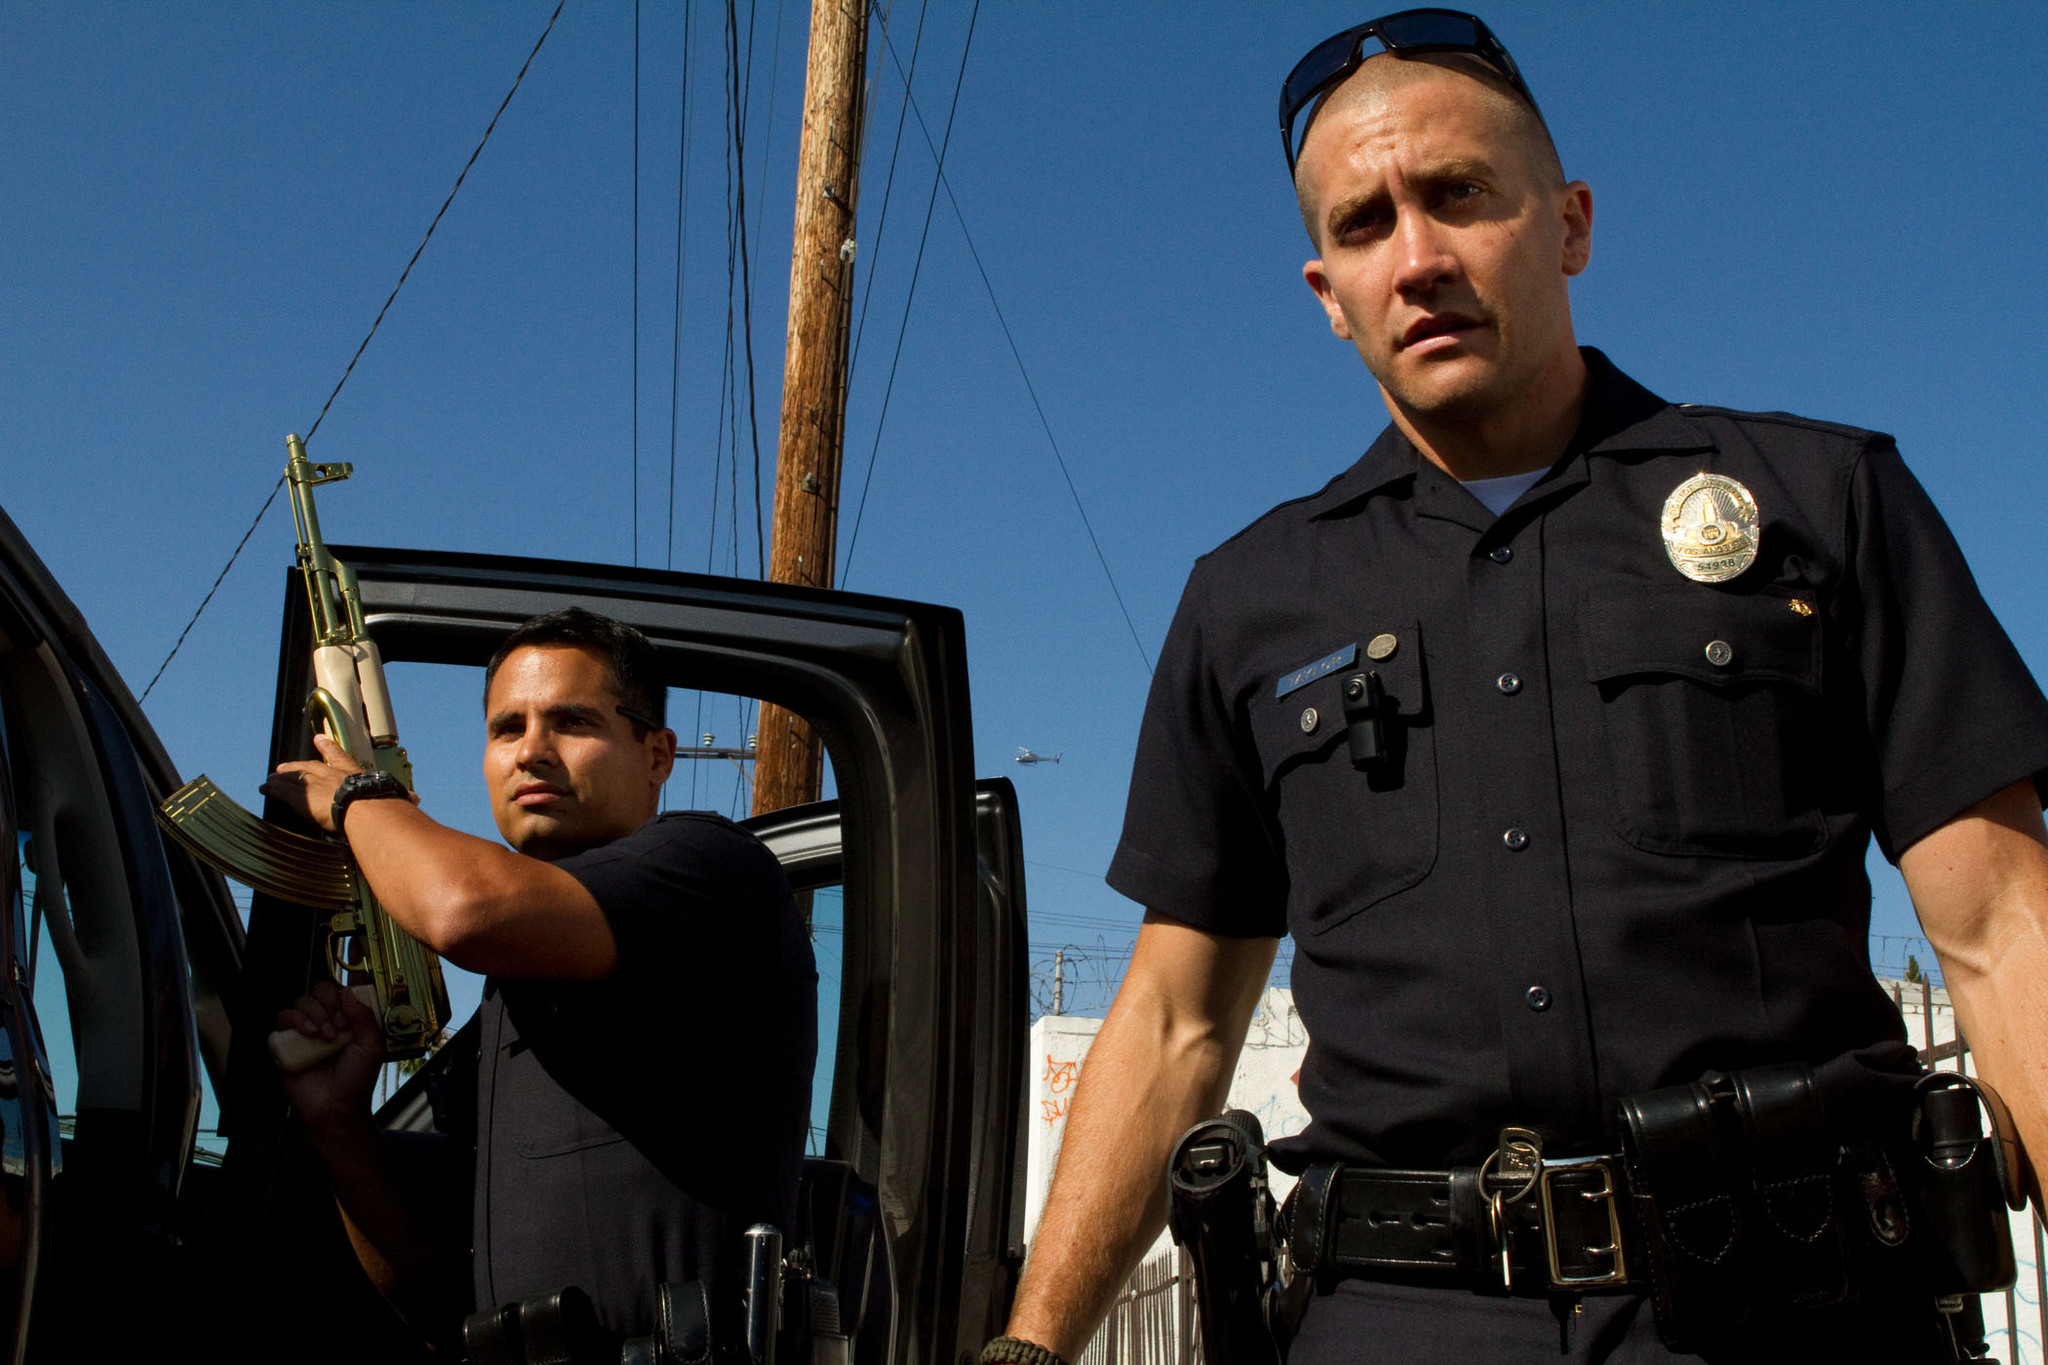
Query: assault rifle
x=351, y=704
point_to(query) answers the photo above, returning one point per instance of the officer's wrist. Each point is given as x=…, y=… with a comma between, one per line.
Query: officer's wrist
x=1017, y=1351
x=368, y=785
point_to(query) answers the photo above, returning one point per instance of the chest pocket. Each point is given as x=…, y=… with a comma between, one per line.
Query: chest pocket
x=526, y=1100
x=1352, y=836
x=1713, y=718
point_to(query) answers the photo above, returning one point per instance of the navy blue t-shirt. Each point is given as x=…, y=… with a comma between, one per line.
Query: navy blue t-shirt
x=631, y=1129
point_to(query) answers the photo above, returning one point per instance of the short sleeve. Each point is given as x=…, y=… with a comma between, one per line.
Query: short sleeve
x=687, y=889
x=1199, y=842
x=1953, y=714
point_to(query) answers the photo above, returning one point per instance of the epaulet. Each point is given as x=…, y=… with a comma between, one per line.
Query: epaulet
x=1276, y=509
x=1783, y=419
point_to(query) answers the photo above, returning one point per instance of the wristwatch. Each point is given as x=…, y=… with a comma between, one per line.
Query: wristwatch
x=368, y=786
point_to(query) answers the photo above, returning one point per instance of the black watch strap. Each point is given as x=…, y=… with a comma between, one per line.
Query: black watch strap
x=365, y=786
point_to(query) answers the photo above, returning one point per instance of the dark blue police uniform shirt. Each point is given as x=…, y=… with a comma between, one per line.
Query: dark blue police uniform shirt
x=631, y=1129
x=1604, y=862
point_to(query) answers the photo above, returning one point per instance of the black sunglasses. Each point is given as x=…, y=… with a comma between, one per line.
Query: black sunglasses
x=1410, y=31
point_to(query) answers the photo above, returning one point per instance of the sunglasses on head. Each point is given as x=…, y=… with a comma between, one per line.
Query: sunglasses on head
x=1411, y=32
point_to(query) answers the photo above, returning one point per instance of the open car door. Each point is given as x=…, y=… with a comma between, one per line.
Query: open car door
x=913, y=1194
x=113, y=952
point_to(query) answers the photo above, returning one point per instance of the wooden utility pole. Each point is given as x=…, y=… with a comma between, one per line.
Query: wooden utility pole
x=805, y=539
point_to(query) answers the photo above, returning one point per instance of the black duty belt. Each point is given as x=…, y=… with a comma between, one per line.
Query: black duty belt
x=1734, y=1203
x=1522, y=1223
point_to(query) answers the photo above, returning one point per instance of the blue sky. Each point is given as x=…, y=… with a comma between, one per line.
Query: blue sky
x=1816, y=208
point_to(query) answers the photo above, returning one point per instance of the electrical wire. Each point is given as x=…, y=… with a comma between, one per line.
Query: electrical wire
x=675, y=376
x=888, y=185
x=768, y=134
x=917, y=267
x=1022, y=372
x=636, y=285
x=1051, y=440
x=350, y=369
x=739, y=134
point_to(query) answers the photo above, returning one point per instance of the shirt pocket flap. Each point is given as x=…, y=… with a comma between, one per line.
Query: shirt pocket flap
x=1309, y=719
x=1716, y=638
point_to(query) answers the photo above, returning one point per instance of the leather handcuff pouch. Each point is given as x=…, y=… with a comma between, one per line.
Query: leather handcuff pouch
x=1731, y=1180
x=1962, y=1180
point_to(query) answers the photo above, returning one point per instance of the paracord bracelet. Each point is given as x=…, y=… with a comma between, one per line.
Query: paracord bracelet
x=1017, y=1351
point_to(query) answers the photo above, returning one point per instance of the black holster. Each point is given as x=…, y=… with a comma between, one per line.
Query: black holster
x=1961, y=1182
x=1222, y=1214
x=784, y=1312
x=560, y=1328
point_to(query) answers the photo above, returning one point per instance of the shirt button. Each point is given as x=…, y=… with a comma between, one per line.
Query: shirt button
x=1508, y=684
x=1719, y=654
x=1516, y=840
x=1500, y=554
x=1538, y=998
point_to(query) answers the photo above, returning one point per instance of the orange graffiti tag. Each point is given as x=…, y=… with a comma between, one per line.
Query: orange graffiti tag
x=1055, y=1110
x=1060, y=1076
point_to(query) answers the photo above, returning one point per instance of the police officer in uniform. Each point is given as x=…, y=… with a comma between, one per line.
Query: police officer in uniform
x=615, y=941
x=1555, y=730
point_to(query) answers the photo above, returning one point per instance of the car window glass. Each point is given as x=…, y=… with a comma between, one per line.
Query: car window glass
x=828, y=941
x=45, y=901
x=210, y=1144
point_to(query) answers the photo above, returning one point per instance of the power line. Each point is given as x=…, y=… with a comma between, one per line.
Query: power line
x=1034, y=862
x=636, y=284
x=739, y=135
x=768, y=133
x=350, y=368
x=916, y=269
x=1017, y=355
x=675, y=376
x=888, y=185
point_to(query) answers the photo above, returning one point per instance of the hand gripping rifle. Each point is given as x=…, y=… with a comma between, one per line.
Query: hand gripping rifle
x=350, y=703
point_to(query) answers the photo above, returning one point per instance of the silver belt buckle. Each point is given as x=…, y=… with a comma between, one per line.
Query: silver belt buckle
x=1609, y=1193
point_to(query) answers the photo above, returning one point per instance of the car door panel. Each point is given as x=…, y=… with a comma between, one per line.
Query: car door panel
x=931, y=1018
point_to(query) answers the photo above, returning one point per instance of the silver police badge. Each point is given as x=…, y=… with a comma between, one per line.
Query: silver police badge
x=1710, y=528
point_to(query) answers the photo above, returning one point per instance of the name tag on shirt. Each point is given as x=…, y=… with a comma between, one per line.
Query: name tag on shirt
x=1321, y=668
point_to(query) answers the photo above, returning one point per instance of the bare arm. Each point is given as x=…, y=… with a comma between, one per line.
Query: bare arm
x=1162, y=1062
x=476, y=903
x=1980, y=885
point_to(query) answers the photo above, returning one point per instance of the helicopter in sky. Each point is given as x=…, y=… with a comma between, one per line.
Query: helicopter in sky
x=1024, y=755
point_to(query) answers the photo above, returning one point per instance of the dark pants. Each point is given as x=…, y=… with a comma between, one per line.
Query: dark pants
x=1362, y=1323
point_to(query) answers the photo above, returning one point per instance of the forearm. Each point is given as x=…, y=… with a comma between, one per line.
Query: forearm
x=1981, y=887
x=1157, y=1067
x=1999, y=987
x=396, y=1245
x=482, y=906
x=2009, y=1057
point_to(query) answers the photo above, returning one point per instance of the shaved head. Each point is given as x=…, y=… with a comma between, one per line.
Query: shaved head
x=1385, y=74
